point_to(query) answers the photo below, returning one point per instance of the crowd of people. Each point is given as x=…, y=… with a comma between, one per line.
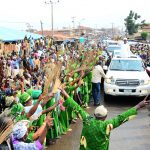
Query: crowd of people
x=143, y=50
x=42, y=94
x=30, y=91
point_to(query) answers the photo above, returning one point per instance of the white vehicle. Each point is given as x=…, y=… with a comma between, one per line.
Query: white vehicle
x=129, y=78
x=110, y=42
x=116, y=53
x=112, y=48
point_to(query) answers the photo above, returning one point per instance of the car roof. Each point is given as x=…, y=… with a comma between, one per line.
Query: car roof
x=116, y=51
x=114, y=45
x=126, y=58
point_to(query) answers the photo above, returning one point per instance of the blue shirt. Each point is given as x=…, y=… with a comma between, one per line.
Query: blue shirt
x=31, y=62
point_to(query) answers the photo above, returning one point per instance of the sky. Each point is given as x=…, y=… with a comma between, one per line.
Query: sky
x=18, y=14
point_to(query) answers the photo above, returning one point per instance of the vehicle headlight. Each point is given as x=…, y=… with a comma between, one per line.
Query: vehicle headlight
x=145, y=82
x=110, y=81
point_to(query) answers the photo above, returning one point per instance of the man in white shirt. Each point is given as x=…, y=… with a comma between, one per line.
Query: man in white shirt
x=125, y=49
x=97, y=74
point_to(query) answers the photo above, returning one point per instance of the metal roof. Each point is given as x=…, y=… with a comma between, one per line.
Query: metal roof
x=8, y=35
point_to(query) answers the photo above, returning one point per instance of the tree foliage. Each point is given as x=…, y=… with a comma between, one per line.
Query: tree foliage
x=144, y=35
x=131, y=23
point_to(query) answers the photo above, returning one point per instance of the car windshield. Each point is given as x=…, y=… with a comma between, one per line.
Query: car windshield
x=111, y=43
x=116, y=53
x=109, y=48
x=127, y=65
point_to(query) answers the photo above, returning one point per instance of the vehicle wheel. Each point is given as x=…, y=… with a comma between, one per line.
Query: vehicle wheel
x=107, y=97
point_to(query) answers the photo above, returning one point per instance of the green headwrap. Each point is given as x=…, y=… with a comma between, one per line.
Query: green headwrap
x=36, y=94
x=17, y=109
x=29, y=91
x=24, y=97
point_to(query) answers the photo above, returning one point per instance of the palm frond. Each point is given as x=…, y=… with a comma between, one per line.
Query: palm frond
x=5, y=131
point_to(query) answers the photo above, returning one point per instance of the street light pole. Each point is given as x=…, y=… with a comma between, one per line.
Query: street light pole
x=52, y=20
x=112, y=30
x=51, y=2
x=73, y=21
x=42, y=28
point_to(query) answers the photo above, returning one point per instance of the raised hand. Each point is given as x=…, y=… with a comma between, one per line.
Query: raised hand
x=143, y=103
x=41, y=97
x=49, y=121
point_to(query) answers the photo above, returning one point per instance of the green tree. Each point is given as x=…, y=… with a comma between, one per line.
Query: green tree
x=144, y=35
x=131, y=23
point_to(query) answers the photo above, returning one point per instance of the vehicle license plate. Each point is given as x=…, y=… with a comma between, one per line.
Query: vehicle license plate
x=127, y=91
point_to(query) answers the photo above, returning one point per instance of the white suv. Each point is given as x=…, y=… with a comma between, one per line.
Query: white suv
x=129, y=78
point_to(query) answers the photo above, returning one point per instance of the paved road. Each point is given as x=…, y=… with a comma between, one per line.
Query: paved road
x=133, y=135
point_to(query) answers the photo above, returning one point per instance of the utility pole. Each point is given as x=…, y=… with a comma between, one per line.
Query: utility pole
x=42, y=28
x=112, y=30
x=51, y=2
x=52, y=20
x=73, y=22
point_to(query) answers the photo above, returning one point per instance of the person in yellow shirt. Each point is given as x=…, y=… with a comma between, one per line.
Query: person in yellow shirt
x=37, y=62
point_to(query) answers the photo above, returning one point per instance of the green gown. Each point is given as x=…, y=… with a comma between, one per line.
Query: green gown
x=89, y=76
x=53, y=132
x=71, y=113
x=85, y=92
x=96, y=133
x=64, y=121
